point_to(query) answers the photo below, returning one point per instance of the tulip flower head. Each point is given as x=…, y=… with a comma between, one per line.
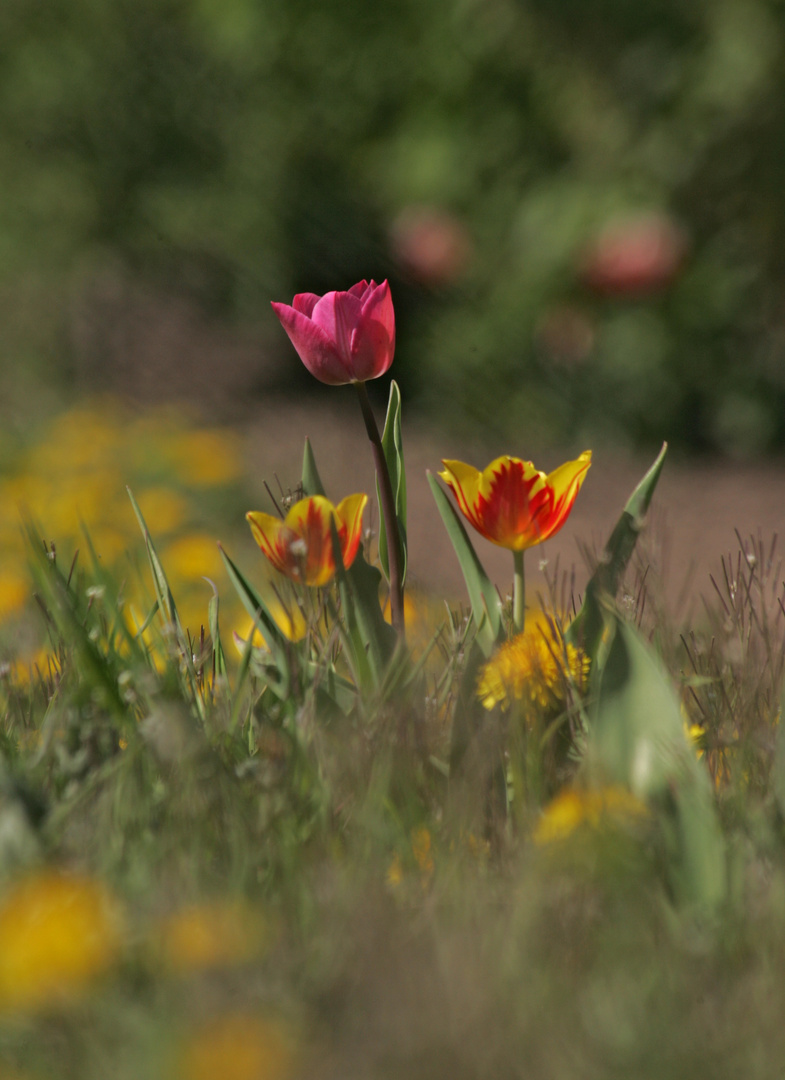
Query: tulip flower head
x=342, y=337
x=513, y=504
x=300, y=546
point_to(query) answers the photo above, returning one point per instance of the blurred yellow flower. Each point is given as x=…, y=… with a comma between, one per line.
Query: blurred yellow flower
x=421, y=849
x=164, y=509
x=26, y=669
x=109, y=543
x=716, y=757
x=204, y=458
x=535, y=665
x=192, y=557
x=395, y=871
x=576, y=807
x=14, y=590
x=57, y=935
x=237, y=1047
x=204, y=936
x=74, y=478
x=289, y=620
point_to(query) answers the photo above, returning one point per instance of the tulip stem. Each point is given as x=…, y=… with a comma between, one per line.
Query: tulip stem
x=388, y=509
x=518, y=593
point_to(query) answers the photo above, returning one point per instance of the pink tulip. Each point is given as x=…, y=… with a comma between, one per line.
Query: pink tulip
x=342, y=337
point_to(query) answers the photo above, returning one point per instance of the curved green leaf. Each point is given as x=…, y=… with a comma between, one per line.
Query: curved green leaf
x=587, y=626
x=485, y=602
x=392, y=445
x=637, y=739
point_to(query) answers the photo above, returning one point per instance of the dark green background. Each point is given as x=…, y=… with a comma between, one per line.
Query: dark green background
x=237, y=151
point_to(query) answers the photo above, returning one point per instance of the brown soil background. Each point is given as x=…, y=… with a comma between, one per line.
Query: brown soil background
x=692, y=524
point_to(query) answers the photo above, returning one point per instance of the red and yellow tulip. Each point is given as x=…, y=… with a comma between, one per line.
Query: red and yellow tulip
x=513, y=504
x=300, y=546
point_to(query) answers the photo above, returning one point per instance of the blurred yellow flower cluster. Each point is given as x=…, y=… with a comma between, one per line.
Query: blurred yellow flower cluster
x=536, y=666
x=58, y=933
x=575, y=808
x=211, y=935
x=75, y=477
x=238, y=1046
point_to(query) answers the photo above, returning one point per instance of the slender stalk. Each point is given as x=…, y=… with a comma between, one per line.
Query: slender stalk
x=518, y=593
x=388, y=507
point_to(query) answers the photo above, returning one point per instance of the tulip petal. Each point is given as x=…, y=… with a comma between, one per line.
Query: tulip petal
x=314, y=347
x=464, y=481
x=337, y=314
x=377, y=305
x=373, y=340
x=349, y=522
x=305, y=302
x=273, y=537
x=513, y=499
x=309, y=521
x=361, y=288
x=566, y=482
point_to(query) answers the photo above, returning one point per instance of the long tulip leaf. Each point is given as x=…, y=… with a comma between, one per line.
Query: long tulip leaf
x=587, y=626
x=259, y=612
x=637, y=739
x=484, y=600
x=163, y=592
x=468, y=710
x=311, y=481
x=218, y=656
x=167, y=607
x=392, y=445
x=366, y=658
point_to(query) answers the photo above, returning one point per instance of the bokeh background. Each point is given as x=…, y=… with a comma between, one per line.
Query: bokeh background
x=580, y=206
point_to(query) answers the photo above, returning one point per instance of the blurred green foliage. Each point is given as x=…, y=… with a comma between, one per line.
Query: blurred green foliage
x=243, y=150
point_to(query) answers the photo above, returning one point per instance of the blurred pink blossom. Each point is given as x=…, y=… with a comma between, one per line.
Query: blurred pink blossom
x=431, y=245
x=634, y=256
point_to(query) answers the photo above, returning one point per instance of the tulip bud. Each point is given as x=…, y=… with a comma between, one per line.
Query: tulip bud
x=342, y=337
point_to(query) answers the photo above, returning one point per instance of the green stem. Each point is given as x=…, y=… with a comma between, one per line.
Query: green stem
x=518, y=593
x=388, y=508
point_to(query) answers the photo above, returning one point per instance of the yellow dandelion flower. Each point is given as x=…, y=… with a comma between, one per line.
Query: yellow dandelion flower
x=237, y=1047
x=57, y=935
x=533, y=666
x=574, y=808
x=211, y=935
